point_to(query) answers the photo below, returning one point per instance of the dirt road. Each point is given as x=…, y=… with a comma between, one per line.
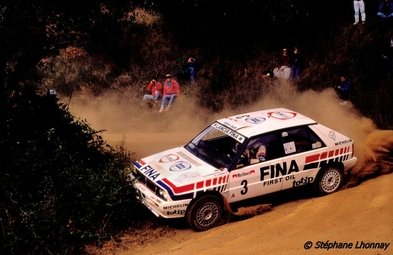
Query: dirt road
x=358, y=220
x=360, y=216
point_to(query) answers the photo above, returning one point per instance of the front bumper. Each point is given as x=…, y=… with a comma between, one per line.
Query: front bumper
x=158, y=206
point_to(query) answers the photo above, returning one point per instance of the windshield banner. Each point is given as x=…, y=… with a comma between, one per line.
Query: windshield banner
x=229, y=132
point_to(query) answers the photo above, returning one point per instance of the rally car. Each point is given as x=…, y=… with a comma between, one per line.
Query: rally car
x=238, y=158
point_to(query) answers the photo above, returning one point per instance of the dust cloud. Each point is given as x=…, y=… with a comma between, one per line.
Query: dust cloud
x=126, y=121
x=143, y=131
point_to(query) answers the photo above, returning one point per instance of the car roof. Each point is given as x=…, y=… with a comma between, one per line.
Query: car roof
x=263, y=121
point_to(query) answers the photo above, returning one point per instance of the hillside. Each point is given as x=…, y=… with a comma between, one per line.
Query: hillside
x=359, y=213
x=65, y=156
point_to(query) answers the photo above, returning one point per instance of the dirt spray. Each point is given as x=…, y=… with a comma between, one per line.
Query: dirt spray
x=143, y=131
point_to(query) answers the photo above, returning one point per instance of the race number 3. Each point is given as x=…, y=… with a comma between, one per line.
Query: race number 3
x=245, y=188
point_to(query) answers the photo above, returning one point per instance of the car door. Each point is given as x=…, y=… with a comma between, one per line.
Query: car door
x=257, y=177
x=300, y=145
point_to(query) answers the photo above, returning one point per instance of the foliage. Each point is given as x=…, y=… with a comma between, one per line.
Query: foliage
x=73, y=69
x=232, y=27
x=61, y=186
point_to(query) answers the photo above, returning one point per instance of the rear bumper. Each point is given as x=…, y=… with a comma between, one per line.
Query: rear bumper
x=349, y=164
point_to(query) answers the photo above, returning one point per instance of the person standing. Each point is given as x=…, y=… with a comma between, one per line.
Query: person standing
x=283, y=70
x=191, y=68
x=296, y=62
x=359, y=11
x=388, y=52
x=171, y=89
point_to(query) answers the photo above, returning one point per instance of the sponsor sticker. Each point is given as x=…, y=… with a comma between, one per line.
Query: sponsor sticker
x=282, y=115
x=226, y=123
x=187, y=176
x=243, y=174
x=169, y=158
x=332, y=135
x=180, y=166
x=255, y=120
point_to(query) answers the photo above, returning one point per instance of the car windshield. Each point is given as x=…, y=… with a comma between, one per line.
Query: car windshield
x=216, y=145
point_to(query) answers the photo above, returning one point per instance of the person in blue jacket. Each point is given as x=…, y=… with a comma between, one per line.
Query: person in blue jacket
x=385, y=9
x=344, y=89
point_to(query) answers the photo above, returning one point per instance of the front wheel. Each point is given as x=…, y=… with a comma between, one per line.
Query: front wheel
x=329, y=181
x=204, y=213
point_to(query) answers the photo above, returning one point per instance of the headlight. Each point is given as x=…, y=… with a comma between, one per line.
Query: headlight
x=162, y=193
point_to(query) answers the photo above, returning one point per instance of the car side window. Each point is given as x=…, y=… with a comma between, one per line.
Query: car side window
x=259, y=149
x=300, y=139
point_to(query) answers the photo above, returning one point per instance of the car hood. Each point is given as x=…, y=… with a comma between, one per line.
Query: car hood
x=176, y=165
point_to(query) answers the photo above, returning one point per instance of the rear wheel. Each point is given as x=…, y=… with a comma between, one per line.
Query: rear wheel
x=204, y=213
x=329, y=180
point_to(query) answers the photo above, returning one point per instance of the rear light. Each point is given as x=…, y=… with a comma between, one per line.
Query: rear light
x=353, y=149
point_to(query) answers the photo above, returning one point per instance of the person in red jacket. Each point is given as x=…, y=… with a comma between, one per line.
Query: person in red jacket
x=171, y=89
x=153, y=91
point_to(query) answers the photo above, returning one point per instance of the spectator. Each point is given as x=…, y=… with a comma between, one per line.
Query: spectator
x=385, y=9
x=283, y=70
x=388, y=52
x=344, y=89
x=191, y=68
x=153, y=91
x=359, y=8
x=51, y=95
x=268, y=74
x=50, y=101
x=171, y=90
x=296, y=62
x=284, y=61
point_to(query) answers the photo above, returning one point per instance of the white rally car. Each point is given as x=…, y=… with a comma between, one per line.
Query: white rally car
x=238, y=158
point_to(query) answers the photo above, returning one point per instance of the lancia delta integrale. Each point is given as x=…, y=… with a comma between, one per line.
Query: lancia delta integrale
x=238, y=158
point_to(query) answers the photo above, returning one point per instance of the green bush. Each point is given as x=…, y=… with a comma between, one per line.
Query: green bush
x=60, y=185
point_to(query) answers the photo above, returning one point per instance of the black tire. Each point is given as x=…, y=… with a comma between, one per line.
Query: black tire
x=204, y=213
x=329, y=181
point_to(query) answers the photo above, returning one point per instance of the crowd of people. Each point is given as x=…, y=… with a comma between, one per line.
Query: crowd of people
x=290, y=65
x=163, y=94
x=384, y=10
x=292, y=62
